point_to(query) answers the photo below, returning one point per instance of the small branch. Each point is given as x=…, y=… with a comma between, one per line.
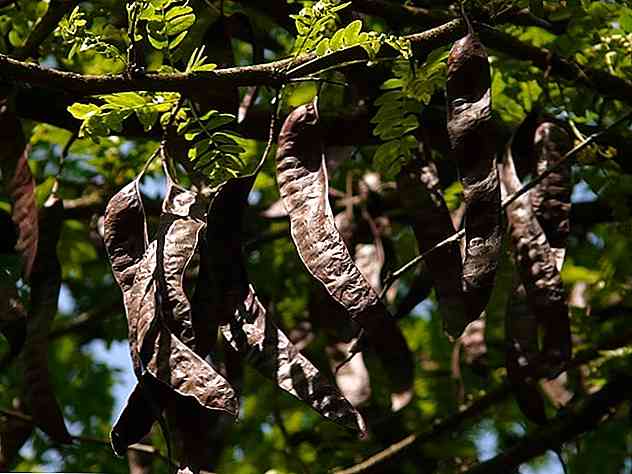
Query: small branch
x=476, y=409
x=565, y=427
x=142, y=448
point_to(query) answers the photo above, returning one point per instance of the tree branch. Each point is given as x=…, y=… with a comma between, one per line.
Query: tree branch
x=141, y=448
x=566, y=426
x=476, y=409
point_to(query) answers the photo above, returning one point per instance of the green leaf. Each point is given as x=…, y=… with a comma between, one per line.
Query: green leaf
x=178, y=39
x=125, y=99
x=83, y=111
x=147, y=117
x=351, y=32
x=386, y=159
x=336, y=40
x=180, y=24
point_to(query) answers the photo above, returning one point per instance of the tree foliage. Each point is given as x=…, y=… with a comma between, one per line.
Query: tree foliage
x=393, y=146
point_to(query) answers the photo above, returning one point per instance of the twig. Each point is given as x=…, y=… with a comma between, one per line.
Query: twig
x=142, y=448
x=566, y=426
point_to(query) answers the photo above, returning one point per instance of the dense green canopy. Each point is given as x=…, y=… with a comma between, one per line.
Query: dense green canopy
x=96, y=86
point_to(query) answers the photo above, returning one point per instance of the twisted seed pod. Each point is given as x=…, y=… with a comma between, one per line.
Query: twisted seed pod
x=421, y=196
x=521, y=335
x=473, y=147
x=125, y=237
x=541, y=279
x=551, y=198
x=181, y=223
x=249, y=331
x=18, y=182
x=45, y=286
x=169, y=372
x=303, y=183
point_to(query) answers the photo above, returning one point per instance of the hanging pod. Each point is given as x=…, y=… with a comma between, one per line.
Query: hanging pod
x=167, y=369
x=243, y=320
x=303, y=184
x=418, y=185
x=541, y=279
x=473, y=148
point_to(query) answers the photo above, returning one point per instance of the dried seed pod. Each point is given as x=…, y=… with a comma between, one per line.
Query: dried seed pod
x=125, y=237
x=473, y=148
x=249, y=331
x=181, y=222
x=135, y=420
x=12, y=313
x=551, y=198
x=541, y=279
x=166, y=360
x=14, y=432
x=269, y=350
x=421, y=196
x=20, y=186
x=303, y=183
x=522, y=352
x=45, y=286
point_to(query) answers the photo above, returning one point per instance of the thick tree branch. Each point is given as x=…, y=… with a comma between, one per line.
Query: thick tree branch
x=566, y=426
x=475, y=410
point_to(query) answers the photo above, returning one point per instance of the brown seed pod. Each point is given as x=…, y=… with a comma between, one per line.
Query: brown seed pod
x=522, y=352
x=45, y=286
x=539, y=274
x=166, y=360
x=18, y=183
x=473, y=147
x=269, y=350
x=248, y=330
x=303, y=183
x=551, y=198
x=421, y=196
x=181, y=222
x=125, y=237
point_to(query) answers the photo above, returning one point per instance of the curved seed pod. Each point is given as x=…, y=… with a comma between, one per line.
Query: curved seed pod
x=551, y=199
x=12, y=313
x=45, y=286
x=167, y=359
x=181, y=222
x=269, y=350
x=302, y=179
x=249, y=331
x=537, y=269
x=521, y=336
x=171, y=370
x=125, y=237
x=14, y=432
x=134, y=422
x=473, y=146
x=419, y=290
x=421, y=196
